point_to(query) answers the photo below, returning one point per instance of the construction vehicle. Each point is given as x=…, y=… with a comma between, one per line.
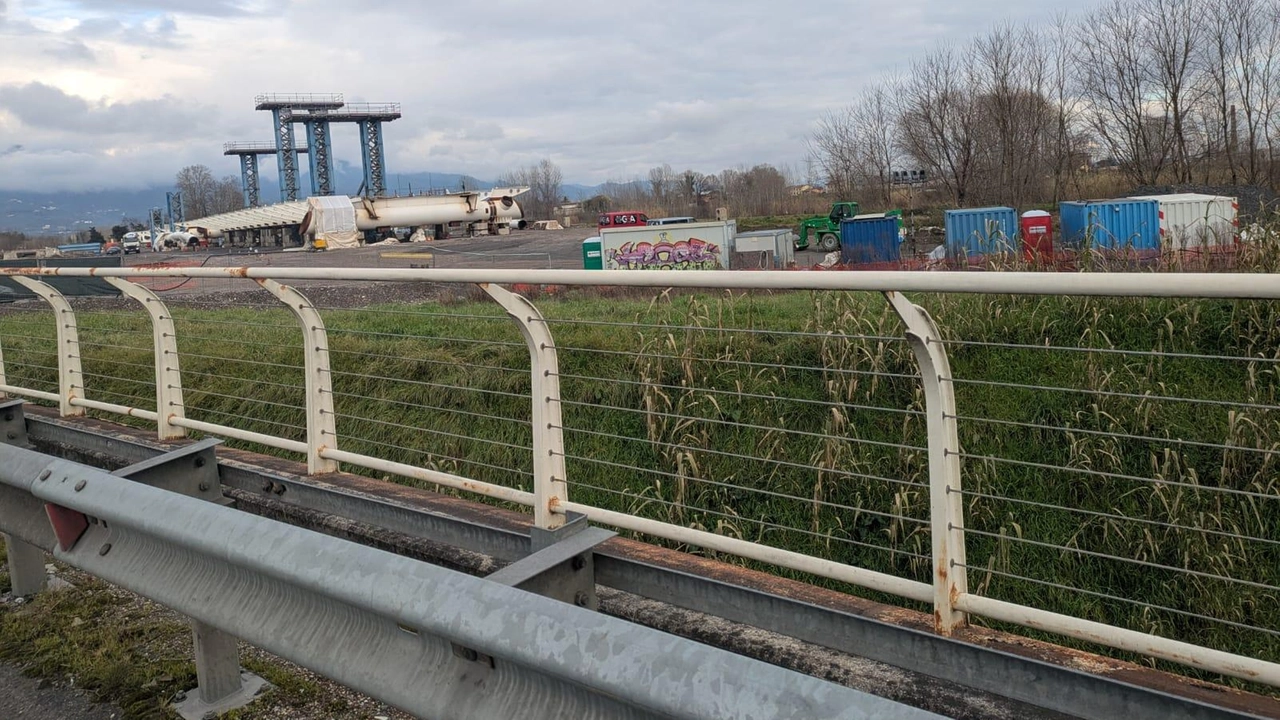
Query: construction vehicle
x=825, y=231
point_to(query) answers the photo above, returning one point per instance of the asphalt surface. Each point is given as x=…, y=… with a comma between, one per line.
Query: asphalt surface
x=23, y=697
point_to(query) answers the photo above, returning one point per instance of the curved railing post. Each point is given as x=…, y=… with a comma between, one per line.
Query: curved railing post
x=169, y=404
x=946, y=504
x=70, y=375
x=550, y=489
x=322, y=431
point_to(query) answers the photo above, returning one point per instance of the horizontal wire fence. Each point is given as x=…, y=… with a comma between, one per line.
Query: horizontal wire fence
x=117, y=356
x=1118, y=456
x=30, y=348
x=433, y=387
x=241, y=361
x=801, y=430
x=1119, y=461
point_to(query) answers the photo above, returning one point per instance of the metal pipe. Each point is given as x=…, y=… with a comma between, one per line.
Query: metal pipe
x=869, y=579
x=245, y=435
x=113, y=408
x=1256, y=286
x=25, y=392
x=499, y=492
x=1195, y=656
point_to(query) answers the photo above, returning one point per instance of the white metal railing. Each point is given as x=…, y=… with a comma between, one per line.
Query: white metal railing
x=854, y=440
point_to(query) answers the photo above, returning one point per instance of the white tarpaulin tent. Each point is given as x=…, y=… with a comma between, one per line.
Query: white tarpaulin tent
x=333, y=219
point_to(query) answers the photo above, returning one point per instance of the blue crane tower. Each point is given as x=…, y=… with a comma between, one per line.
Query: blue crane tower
x=370, y=117
x=248, y=152
x=285, y=110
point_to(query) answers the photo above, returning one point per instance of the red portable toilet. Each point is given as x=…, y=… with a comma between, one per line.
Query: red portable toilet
x=1037, y=236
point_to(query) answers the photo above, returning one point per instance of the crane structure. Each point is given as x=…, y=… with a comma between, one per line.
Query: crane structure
x=316, y=113
x=248, y=152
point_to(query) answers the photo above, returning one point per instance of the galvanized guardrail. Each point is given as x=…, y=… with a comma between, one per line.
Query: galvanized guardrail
x=883, y=468
x=434, y=642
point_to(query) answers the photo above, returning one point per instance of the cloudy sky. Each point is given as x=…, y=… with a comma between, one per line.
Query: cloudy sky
x=122, y=93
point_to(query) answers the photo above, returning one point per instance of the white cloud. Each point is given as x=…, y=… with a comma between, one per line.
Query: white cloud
x=130, y=90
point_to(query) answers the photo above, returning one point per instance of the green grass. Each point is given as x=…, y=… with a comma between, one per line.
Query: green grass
x=669, y=395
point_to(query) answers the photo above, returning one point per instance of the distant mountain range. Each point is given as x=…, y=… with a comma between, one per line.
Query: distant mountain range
x=59, y=213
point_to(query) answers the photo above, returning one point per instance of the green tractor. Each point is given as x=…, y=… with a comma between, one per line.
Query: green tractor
x=825, y=231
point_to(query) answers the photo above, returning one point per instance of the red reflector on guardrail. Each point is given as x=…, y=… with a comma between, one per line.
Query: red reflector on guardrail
x=67, y=524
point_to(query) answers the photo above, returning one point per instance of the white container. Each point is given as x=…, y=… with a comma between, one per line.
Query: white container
x=1191, y=221
x=687, y=246
x=779, y=243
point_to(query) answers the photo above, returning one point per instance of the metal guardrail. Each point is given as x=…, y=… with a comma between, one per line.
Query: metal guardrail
x=434, y=642
x=944, y=508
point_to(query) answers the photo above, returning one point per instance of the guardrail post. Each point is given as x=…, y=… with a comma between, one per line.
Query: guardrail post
x=68, y=345
x=550, y=489
x=168, y=375
x=322, y=432
x=26, y=561
x=946, y=504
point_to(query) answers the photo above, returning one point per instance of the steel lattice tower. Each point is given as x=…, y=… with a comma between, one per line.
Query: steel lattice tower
x=250, y=181
x=284, y=114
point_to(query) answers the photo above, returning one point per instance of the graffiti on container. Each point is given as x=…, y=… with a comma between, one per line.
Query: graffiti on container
x=691, y=254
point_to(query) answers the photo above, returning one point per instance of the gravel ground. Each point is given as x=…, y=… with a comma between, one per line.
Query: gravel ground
x=59, y=699
x=23, y=698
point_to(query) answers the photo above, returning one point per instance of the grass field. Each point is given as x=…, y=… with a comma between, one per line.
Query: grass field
x=793, y=419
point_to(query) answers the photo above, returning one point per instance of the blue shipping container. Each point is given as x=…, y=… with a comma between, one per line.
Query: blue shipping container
x=869, y=241
x=1111, y=224
x=981, y=231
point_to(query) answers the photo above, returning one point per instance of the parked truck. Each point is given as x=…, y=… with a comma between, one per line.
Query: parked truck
x=824, y=231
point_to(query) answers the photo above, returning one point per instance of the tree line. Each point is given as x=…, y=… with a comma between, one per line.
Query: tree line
x=1154, y=91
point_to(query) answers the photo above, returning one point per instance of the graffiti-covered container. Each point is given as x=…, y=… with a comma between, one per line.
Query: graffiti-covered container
x=687, y=246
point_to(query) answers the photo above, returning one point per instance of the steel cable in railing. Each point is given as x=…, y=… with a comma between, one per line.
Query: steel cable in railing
x=748, y=426
x=250, y=421
x=771, y=461
x=246, y=361
x=978, y=570
x=1117, y=517
x=421, y=406
x=254, y=381
x=399, y=336
x=450, y=363
x=1117, y=476
x=408, y=313
x=349, y=438
x=223, y=340
x=418, y=429
x=233, y=323
x=125, y=363
x=99, y=376
x=1110, y=393
x=1120, y=435
x=14, y=363
x=36, y=338
x=145, y=402
x=1105, y=351
x=739, y=363
x=753, y=521
x=423, y=383
x=811, y=501
x=713, y=329
x=210, y=393
x=713, y=391
x=1131, y=561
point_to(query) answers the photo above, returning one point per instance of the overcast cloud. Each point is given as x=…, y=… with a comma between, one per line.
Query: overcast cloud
x=122, y=93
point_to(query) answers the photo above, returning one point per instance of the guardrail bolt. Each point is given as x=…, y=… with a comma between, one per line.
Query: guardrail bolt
x=80, y=485
x=581, y=599
x=204, y=487
x=45, y=475
x=8, y=417
x=279, y=489
x=577, y=563
x=199, y=462
x=267, y=485
x=12, y=435
x=470, y=655
x=106, y=548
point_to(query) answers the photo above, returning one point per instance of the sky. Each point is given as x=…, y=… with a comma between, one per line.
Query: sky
x=120, y=94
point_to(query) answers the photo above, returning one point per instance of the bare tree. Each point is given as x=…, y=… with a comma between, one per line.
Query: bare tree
x=1118, y=84
x=544, y=181
x=1174, y=32
x=939, y=114
x=198, y=189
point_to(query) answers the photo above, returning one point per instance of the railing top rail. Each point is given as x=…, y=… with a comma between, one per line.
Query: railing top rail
x=1256, y=286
